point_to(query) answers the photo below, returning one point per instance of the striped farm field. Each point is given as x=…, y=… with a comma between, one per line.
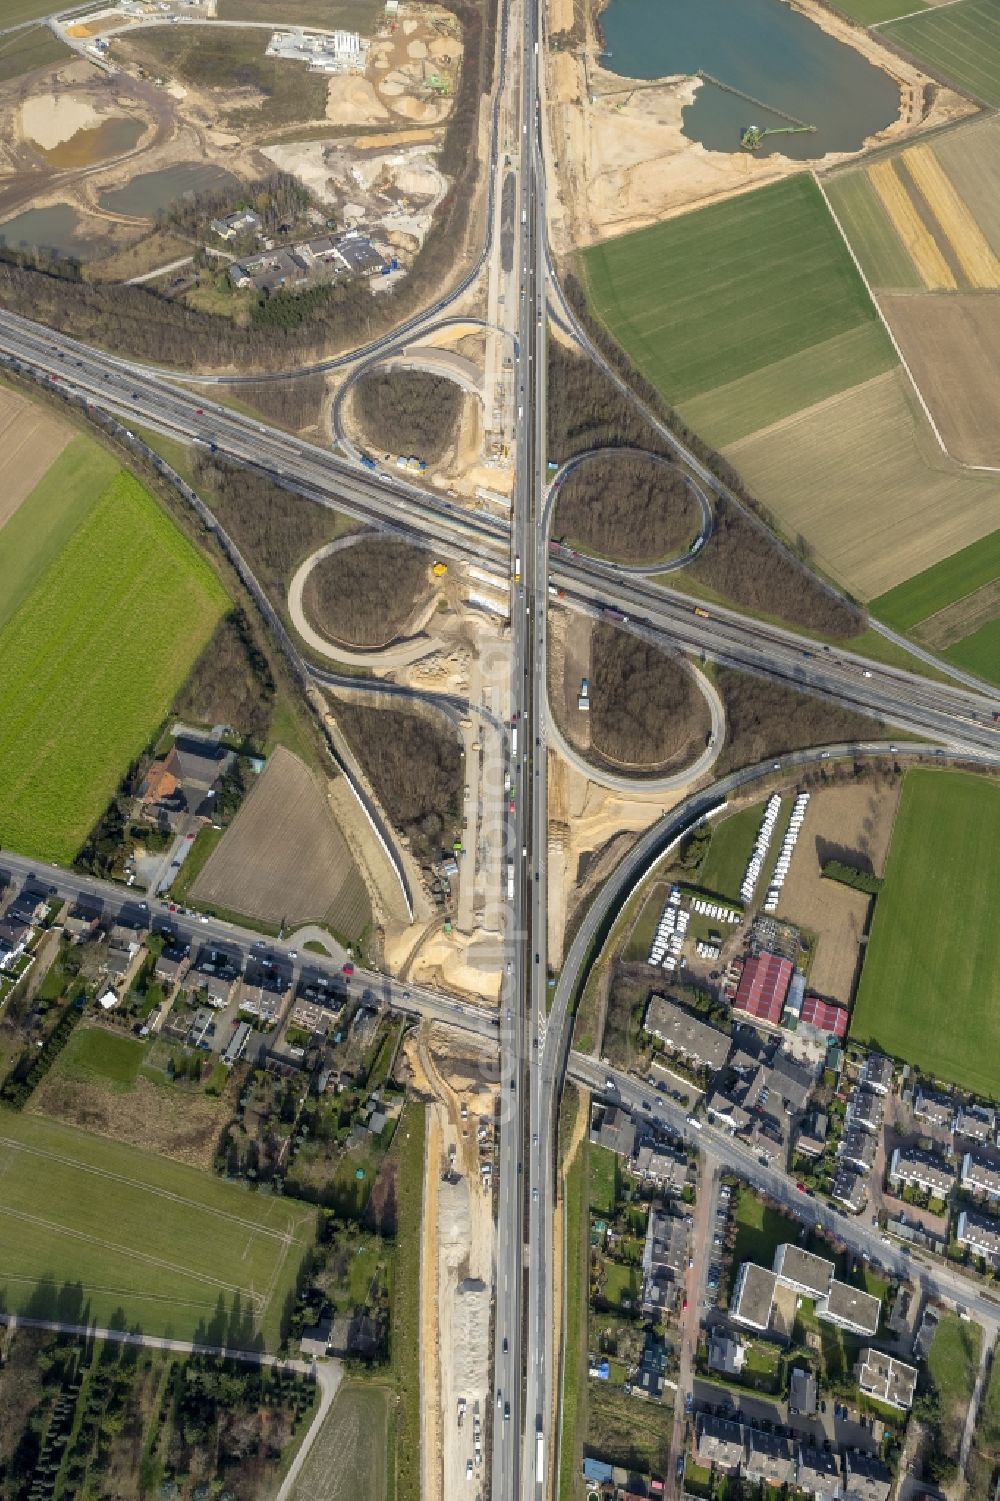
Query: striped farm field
x=743, y=406
x=860, y=478
x=163, y=1247
x=977, y=262
x=937, y=587
x=961, y=42
x=871, y=12
x=892, y=191
x=954, y=608
x=971, y=158
x=871, y=233
x=701, y=301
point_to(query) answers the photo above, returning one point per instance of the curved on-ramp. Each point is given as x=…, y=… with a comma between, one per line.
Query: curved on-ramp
x=396, y=654
x=671, y=565
x=636, y=782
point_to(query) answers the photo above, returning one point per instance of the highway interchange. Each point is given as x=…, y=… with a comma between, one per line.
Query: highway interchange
x=534, y=1038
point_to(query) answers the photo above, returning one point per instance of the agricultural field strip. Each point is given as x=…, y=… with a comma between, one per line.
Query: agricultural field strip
x=979, y=265
x=940, y=861
x=135, y=605
x=920, y=244
x=708, y=260
x=744, y=406
x=7, y=1212
x=961, y=40
x=971, y=158
x=871, y=233
x=145, y=1187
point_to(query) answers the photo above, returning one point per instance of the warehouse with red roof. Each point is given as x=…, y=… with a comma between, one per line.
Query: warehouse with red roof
x=763, y=987
x=824, y=1016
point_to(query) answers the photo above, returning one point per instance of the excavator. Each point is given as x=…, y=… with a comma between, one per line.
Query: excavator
x=752, y=136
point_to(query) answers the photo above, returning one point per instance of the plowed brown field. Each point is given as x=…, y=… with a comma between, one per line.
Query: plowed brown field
x=30, y=439
x=285, y=860
x=952, y=345
x=862, y=479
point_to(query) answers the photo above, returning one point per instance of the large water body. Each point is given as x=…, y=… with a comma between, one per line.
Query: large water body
x=57, y=229
x=149, y=192
x=766, y=50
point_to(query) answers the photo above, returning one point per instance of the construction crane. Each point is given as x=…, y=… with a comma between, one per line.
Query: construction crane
x=752, y=136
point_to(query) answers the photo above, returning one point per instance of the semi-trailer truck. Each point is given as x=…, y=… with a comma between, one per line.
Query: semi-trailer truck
x=539, y=1459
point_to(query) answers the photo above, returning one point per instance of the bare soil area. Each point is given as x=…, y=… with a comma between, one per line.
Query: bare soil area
x=285, y=860
x=31, y=438
x=158, y=1118
x=623, y=162
x=456, y=1256
x=853, y=825
x=961, y=619
x=590, y=830
x=952, y=345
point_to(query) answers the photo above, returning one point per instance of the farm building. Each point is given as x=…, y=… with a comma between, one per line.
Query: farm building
x=763, y=987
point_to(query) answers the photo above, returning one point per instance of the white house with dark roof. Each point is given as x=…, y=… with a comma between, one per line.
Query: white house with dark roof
x=980, y=1175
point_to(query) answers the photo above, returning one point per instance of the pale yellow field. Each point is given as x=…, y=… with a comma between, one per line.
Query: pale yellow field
x=31, y=439
x=979, y=265
x=860, y=478
x=934, y=271
x=971, y=158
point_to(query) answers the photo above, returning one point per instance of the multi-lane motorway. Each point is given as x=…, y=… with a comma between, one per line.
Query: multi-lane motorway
x=534, y=1042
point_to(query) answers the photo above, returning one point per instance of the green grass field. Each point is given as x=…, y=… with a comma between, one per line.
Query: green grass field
x=45, y=520
x=961, y=41
x=347, y=1461
x=352, y=15
x=163, y=1246
x=740, y=407
x=703, y=300
x=603, y=1180
x=950, y=580
x=871, y=12
x=17, y=11
x=952, y=1364
x=90, y=663
x=35, y=47
x=979, y=652
x=93, y=1053
x=927, y=986
x=873, y=239
x=759, y=1232
x=729, y=851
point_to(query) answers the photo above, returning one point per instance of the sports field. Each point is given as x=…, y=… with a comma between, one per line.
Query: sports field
x=927, y=992
x=961, y=42
x=90, y=662
x=145, y=1239
x=700, y=301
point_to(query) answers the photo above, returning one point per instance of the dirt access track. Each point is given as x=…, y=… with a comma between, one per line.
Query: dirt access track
x=284, y=860
x=854, y=825
x=622, y=160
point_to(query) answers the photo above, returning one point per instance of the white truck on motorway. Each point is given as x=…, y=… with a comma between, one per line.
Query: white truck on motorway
x=539, y=1459
x=510, y=880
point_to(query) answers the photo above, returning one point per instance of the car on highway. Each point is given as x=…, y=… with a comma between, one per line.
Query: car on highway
x=801, y=1187
x=505, y=1348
